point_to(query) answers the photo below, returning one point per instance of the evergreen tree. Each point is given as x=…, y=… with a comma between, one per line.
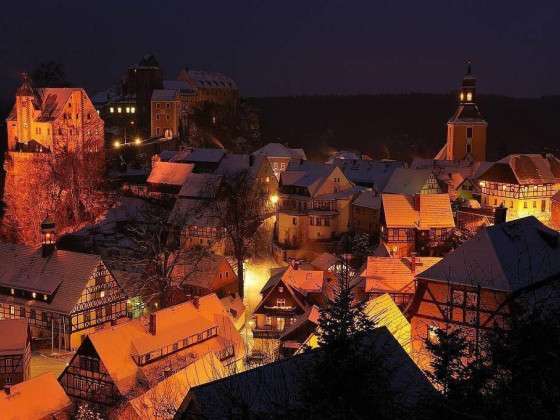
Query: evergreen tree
x=345, y=378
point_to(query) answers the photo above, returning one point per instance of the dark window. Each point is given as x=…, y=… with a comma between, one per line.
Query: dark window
x=469, y=132
x=32, y=314
x=22, y=311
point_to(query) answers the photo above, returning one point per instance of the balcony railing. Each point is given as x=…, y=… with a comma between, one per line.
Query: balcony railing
x=266, y=332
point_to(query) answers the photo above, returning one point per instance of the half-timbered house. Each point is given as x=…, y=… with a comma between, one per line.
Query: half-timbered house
x=479, y=284
x=15, y=351
x=120, y=363
x=64, y=295
x=420, y=223
x=410, y=181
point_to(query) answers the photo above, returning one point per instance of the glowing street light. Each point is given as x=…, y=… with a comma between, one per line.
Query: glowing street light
x=117, y=144
x=137, y=141
x=274, y=198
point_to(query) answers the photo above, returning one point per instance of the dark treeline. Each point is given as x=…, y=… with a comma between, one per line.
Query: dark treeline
x=407, y=125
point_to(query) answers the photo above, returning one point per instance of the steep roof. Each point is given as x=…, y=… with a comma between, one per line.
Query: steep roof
x=163, y=400
x=53, y=100
x=202, y=185
x=202, y=273
x=505, y=257
x=63, y=273
x=14, y=336
x=384, y=312
x=394, y=275
x=368, y=172
x=467, y=113
x=205, y=155
x=407, y=181
x=324, y=261
x=117, y=345
x=429, y=211
x=529, y=169
x=164, y=95
x=280, y=380
x=35, y=399
x=279, y=150
x=178, y=85
x=170, y=173
x=368, y=199
x=208, y=79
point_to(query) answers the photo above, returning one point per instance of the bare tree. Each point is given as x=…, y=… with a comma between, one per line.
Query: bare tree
x=239, y=209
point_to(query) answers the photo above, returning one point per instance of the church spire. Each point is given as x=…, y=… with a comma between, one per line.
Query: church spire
x=25, y=89
x=468, y=87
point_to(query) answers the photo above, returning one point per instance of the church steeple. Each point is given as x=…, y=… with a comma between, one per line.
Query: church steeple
x=25, y=89
x=466, y=129
x=468, y=87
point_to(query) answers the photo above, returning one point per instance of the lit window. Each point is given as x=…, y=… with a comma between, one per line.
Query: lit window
x=102, y=293
x=12, y=310
x=119, y=109
x=280, y=289
x=111, y=110
x=267, y=179
x=12, y=291
x=34, y=295
x=44, y=297
x=462, y=96
x=469, y=96
x=132, y=110
x=281, y=302
x=128, y=110
x=432, y=334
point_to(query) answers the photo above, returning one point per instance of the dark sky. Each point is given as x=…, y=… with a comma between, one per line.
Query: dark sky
x=293, y=47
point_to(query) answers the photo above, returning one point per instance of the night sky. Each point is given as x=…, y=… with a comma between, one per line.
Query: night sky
x=293, y=47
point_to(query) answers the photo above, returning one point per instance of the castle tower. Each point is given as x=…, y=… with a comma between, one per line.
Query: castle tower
x=25, y=108
x=466, y=129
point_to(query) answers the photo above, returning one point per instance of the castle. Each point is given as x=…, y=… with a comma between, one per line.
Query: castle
x=55, y=148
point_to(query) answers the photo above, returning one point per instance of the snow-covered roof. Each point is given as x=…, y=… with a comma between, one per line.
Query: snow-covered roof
x=373, y=173
x=368, y=199
x=208, y=79
x=63, y=274
x=117, y=345
x=170, y=173
x=306, y=174
x=179, y=86
x=202, y=185
x=205, y=155
x=35, y=399
x=394, y=275
x=384, y=312
x=407, y=181
x=164, y=95
x=423, y=211
x=506, y=257
x=282, y=378
x=528, y=169
x=280, y=151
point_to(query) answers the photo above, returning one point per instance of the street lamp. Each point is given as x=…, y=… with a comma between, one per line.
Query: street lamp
x=137, y=141
x=117, y=144
x=274, y=198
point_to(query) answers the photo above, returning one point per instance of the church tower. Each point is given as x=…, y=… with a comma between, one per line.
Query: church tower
x=466, y=129
x=25, y=110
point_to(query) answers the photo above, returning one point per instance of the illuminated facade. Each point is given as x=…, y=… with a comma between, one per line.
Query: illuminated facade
x=524, y=184
x=466, y=129
x=15, y=352
x=64, y=295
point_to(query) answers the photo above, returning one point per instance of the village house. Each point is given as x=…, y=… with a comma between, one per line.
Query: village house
x=40, y=398
x=420, y=223
x=279, y=156
x=482, y=282
x=124, y=362
x=64, y=295
x=409, y=181
x=365, y=213
x=195, y=277
x=213, y=402
x=313, y=208
x=167, y=178
x=288, y=295
x=15, y=351
x=524, y=184
x=394, y=276
x=368, y=173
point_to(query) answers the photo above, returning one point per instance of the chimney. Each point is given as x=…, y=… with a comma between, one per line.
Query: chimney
x=7, y=389
x=500, y=214
x=196, y=302
x=153, y=323
x=48, y=237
